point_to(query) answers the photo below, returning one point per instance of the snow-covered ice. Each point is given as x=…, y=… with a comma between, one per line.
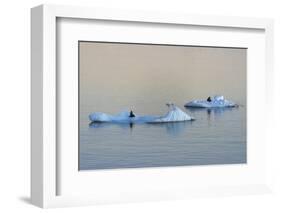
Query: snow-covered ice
x=216, y=101
x=175, y=114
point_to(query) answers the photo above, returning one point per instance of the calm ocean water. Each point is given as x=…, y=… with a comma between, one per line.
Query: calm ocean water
x=217, y=136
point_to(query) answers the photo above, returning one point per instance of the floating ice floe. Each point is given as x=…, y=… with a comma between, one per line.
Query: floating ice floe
x=216, y=101
x=174, y=114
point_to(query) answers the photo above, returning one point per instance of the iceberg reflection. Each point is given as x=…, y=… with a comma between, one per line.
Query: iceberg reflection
x=171, y=128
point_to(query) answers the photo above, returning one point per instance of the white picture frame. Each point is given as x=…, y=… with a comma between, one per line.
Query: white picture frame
x=45, y=168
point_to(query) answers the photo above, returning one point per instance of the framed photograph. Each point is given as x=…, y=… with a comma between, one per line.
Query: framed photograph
x=130, y=106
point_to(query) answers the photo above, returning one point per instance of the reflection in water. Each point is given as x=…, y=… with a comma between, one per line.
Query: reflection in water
x=215, y=111
x=172, y=128
x=212, y=113
x=98, y=125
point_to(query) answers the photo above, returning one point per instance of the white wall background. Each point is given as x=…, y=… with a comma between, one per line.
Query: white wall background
x=15, y=104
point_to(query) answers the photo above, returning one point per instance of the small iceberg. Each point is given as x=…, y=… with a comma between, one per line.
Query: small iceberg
x=175, y=114
x=214, y=102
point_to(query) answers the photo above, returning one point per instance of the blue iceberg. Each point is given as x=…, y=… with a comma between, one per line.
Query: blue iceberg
x=175, y=114
x=215, y=102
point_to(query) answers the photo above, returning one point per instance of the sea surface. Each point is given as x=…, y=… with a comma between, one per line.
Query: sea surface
x=217, y=136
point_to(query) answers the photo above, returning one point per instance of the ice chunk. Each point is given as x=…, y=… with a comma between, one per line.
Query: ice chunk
x=216, y=101
x=218, y=97
x=174, y=114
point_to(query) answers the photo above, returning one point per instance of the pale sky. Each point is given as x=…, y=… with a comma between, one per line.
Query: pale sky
x=144, y=77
